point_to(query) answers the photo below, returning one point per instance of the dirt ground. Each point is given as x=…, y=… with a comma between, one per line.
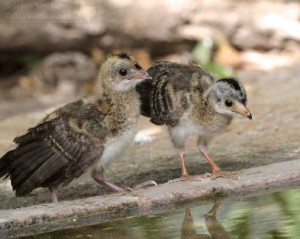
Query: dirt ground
x=272, y=136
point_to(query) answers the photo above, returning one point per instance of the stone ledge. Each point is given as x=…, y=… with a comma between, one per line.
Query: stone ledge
x=94, y=210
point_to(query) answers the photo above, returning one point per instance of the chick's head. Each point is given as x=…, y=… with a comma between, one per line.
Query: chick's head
x=122, y=72
x=228, y=96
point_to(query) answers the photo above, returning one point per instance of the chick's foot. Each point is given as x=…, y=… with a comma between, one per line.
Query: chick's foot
x=145, y=184
x=225, y=174
x=198, y=178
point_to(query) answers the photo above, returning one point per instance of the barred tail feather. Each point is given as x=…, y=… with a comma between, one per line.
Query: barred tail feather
x=42, y=173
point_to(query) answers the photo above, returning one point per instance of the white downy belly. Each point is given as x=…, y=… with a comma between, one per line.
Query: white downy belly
x=114, y=147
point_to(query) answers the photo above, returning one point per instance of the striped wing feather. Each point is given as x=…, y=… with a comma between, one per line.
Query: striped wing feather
x=167, y=96
x=50, y=154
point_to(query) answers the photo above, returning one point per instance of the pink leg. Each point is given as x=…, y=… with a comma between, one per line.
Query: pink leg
x=184, y=172
x=216, y=171
x=54, y=194
x=214, y=167
x=99, y=178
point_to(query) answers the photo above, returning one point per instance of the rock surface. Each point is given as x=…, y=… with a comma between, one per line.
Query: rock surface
x=95, y=210
x=77, y=25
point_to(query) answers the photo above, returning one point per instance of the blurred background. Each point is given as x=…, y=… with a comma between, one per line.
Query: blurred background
x=51, y=50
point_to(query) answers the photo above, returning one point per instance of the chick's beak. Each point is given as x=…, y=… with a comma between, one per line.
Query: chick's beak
x=139, y=75
x=244, y=111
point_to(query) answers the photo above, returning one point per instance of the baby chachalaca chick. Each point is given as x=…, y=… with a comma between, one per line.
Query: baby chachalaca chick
x=88, y=133
x=190, y=102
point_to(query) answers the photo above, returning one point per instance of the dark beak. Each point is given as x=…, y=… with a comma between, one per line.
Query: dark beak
x=244, y=111
x=249, y=115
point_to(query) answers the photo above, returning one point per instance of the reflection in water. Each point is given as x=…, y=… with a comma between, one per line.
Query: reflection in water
x=215, y=229
x=269, y=216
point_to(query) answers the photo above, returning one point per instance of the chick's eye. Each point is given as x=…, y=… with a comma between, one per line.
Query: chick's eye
x=123, y=72
x=228, y=103
x=137, y=66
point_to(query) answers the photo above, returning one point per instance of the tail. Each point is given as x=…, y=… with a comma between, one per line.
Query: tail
x=24, y=161
x=7, y=159
x=17, y=163
x=5, y=163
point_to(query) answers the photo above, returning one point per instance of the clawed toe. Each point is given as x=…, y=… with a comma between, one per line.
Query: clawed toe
x=128, y=189
x=182, y=178
x=213, y=176
x=199, y=177
x=190, y=178
x=224, y=174
x=149, y=183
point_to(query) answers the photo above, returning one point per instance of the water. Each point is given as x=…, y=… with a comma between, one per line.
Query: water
x=269, y=216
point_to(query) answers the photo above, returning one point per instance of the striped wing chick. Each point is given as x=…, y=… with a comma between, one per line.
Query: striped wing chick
x=170, y=93
x=55, y=151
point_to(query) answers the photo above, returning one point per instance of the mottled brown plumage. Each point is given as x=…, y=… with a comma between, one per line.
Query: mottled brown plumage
x=190, y=101
x=84, y=134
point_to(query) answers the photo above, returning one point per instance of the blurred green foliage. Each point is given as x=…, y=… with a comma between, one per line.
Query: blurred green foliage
x=202, y=54
x=31, y=60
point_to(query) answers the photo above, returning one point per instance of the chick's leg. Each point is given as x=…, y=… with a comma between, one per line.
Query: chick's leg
x=103, y=181
x=216, y=171
x=203, y=149
x=99, y=178
x=178, y=142
x=54, y=194
x=184, y=172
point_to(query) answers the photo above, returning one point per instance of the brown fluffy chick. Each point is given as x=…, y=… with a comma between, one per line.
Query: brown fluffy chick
x=190, y=101
x=88, y=133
